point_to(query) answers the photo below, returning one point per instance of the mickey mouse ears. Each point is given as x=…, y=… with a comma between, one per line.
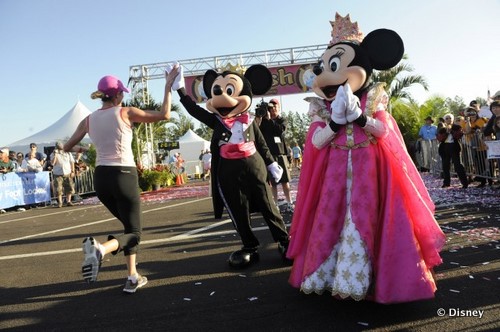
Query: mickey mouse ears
x=384, y=47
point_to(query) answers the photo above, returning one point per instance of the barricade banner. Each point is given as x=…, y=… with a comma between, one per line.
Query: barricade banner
x=24, y=188
x=493, y=149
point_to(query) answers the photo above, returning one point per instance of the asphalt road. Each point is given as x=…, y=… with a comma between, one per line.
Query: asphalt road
x=191, y=287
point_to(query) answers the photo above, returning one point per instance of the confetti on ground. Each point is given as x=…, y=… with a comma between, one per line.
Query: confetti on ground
x=187, y=299
x=454, y=291
x=454, y=194
x=488, y=196
x=253, y=298
x=197, y=283
x=242, y=275
x=363, y=323
x=212, y=293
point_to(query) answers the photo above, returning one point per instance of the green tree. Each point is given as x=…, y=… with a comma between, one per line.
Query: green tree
x=297, y=125
x=435, y=107
x=456, y=105
x=407, y=116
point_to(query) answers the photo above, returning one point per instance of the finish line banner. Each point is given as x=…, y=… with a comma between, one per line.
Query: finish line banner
x=24, y=188
x=286, y=80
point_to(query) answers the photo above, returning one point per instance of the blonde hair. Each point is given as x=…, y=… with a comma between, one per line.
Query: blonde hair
x=97, y=95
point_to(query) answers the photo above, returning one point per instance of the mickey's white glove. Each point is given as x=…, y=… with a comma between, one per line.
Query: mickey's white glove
x=352, y=104
x=339, y=106
x=276, y=171
x=179, y=80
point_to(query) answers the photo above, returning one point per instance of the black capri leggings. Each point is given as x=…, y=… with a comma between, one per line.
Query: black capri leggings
x=117, y=187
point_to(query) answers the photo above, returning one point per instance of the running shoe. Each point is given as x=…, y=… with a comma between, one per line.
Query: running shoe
x=132, y=287
x=92, y=261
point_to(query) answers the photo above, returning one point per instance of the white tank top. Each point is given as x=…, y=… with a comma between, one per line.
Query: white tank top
x=112, y=137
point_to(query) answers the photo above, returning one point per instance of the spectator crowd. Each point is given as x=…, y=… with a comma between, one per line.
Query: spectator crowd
x=64, y=168
x=466, y=143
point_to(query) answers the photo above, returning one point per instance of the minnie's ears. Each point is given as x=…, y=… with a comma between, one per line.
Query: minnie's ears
x=260, y=78
x=384, y=47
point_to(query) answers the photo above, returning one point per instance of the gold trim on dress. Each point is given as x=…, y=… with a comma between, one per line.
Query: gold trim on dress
x=350, y=144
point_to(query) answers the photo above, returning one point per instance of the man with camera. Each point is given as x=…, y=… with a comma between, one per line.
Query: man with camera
x=273, y=126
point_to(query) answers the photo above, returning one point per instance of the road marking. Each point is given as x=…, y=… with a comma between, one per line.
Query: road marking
x=83, y=207
x=59, y=211
x=188, y=235
x=195, y=233
x=95, y=222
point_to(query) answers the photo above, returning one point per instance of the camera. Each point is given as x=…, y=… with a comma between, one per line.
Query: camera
x=261, y=109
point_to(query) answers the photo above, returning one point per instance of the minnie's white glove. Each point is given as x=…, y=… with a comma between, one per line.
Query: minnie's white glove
x=276, y=171
x=179, y=80
x=352, y=104
x=339, y=106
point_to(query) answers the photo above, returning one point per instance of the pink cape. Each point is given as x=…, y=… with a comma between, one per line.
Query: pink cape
x=390, y=208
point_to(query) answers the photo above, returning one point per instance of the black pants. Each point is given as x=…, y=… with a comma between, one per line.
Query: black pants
x=450, y=152
x=242, y=181
x=118, y=189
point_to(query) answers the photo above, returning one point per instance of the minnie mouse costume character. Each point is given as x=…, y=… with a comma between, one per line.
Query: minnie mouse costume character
x=239, y=154
x=364, y=222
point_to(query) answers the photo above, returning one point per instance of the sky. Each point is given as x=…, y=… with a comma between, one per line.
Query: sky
x=53, y=52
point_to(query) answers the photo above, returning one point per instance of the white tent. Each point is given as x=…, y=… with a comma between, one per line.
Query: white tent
x=190, y=146
x=60, y=130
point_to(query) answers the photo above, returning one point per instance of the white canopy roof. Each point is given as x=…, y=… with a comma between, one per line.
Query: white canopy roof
x=190, y=136
x=190, y=147
x=60, y=130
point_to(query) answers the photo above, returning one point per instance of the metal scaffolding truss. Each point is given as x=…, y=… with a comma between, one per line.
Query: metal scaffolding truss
x=140, y=74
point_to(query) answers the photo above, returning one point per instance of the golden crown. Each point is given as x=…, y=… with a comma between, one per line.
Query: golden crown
x=234, y=68
x=345, y=30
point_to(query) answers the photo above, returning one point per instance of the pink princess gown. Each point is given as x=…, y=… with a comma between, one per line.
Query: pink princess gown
x=364, y=223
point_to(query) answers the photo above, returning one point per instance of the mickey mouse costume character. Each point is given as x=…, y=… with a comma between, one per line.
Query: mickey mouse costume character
x=239, y=154
x=364, y=222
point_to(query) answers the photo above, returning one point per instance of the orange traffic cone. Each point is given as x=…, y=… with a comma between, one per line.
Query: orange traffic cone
x=179, y=180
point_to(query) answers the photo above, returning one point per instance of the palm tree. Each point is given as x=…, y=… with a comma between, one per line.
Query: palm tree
x=406, y=111
x=204, y=131
x=147, y=132
x=180, y=124
x=397, y=83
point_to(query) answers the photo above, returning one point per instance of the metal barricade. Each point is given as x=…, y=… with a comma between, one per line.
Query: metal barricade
x=473, y=157
x=84, y=183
